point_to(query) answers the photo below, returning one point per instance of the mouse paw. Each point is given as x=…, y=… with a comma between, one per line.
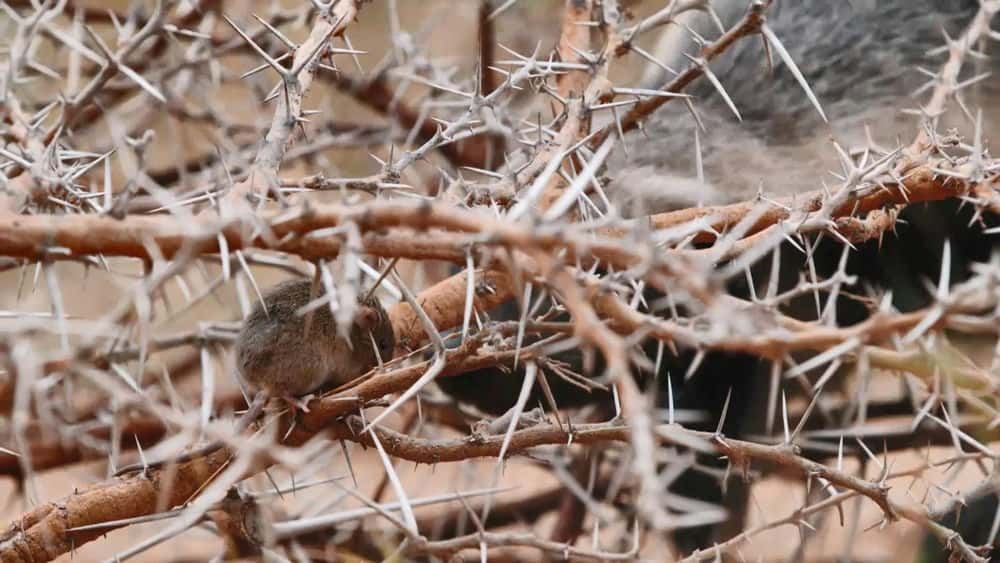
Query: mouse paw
x=298, y=403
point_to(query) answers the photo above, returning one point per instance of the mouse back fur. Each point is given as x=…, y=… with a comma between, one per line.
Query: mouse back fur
x=282, y=353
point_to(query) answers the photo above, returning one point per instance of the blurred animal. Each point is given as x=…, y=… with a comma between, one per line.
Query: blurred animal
x=861, y=58
x=863, y=61
x=284, y=351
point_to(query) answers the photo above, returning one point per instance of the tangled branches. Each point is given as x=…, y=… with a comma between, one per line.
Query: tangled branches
x=141, y=149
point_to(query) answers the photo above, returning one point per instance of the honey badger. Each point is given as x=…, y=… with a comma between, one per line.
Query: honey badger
x=870, y=64
x=862, y=59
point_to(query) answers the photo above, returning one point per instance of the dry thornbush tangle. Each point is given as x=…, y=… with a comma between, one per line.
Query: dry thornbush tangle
x=164, y=163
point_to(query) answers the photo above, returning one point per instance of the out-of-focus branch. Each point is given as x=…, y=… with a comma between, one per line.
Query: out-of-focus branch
x=749, y=25
x=30, y=237
x=947, y=78
x=263, y=174
x=574, y=44
x=591, y=284
x=136, y=496
x=41, y=534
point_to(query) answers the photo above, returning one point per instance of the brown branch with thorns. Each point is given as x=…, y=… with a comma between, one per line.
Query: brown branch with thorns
x=532, y=277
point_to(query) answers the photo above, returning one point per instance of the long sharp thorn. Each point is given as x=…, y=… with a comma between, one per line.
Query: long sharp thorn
x=725, y=413
x=793, y=68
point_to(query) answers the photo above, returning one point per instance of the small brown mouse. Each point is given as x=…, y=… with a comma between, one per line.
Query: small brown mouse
x=286, y=354
x=283, y=353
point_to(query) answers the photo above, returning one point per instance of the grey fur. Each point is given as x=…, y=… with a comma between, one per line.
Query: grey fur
x=276, y=355
x=859, y=58
x=850, y=55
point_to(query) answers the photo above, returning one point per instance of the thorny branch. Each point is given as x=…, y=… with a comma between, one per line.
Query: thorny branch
x=538, y=231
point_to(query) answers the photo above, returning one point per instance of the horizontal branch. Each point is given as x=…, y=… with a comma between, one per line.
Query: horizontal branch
x=56, y=236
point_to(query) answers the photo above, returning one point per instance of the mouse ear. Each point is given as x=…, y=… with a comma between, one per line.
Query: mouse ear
x=366, y=317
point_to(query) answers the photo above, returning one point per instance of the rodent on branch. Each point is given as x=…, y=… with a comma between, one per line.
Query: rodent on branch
x=286, y=353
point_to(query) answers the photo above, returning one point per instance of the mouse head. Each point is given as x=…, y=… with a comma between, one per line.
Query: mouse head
x=372, y=323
